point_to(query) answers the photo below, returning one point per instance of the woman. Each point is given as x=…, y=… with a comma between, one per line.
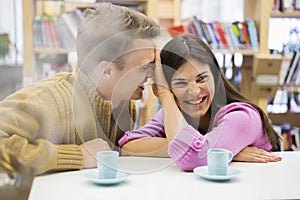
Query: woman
x=201, y=110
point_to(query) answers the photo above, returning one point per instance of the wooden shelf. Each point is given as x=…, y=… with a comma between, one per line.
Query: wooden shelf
x=53, y=50
x=245, y=52
x=294, y=14
x=69, y=6
x=292, y=118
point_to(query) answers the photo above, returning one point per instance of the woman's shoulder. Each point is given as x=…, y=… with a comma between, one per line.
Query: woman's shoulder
x=238, y=106
x=238, y=111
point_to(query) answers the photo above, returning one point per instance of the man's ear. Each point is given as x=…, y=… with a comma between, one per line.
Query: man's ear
x=105, y=68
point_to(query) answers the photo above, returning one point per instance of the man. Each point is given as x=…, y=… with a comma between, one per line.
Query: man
x=61, y=122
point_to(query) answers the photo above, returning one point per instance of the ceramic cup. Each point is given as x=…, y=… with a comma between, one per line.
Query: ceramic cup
x=217, y=161
x=107, y=164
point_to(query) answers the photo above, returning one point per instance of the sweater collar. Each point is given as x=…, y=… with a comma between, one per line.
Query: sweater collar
x=102, y=108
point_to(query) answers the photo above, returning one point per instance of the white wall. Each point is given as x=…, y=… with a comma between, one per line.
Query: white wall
x=11, y=22
x=209, y=10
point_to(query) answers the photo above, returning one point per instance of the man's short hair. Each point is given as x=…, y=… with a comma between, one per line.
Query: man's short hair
x=107, y=31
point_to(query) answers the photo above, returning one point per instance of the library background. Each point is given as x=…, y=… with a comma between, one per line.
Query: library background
x=256, y=42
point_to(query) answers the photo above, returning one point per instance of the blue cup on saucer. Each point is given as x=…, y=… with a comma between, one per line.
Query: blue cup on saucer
x=107, y=164
x=217, y=161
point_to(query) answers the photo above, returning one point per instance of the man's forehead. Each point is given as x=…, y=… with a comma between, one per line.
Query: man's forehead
x=143, y=43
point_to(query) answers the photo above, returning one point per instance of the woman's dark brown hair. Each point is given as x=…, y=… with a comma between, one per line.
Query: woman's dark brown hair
x=185, y=47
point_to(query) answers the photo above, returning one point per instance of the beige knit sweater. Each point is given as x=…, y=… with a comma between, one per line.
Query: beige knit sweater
x=44, y=124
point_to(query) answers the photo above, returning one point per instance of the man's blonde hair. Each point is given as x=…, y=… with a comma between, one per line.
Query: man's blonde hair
x=108, y=30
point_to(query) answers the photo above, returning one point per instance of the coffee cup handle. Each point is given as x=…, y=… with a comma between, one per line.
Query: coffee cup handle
x=230, y=156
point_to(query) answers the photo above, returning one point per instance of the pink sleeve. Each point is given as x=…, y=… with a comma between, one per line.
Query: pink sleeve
x=153, y=128
x=235, y=127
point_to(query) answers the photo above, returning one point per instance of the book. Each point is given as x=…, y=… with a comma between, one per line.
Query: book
x=214, y=34
x=205, y=31
x=245, y=34
x=66, y=38
x=213, y=43
x=220, y=31
x=54, y=34
x=236, y=26
x=293, y=66
x=176, y=30
x=231, y=37
x=286, y=62
x=199, y=30
x=72, y=19
x=252, y=32
x=192, y=30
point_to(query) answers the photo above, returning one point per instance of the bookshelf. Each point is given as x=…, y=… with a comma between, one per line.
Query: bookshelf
x=261, y=11
x=167, y=14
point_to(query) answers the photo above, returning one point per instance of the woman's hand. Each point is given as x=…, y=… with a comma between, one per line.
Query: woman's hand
x=253, y=154
x=160, y=86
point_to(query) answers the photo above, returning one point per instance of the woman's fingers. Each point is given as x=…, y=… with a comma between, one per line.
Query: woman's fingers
x=159, y=78
x=253, y=154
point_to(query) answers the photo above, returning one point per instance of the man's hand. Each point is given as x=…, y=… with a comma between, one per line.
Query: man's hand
x=89, y=150
x=253, y=154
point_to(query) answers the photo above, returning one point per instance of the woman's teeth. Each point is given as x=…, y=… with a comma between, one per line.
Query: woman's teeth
x=196, y=102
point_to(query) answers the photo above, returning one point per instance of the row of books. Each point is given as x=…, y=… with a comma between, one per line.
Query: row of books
x=58, y=31
x=290, y=69
x=49, y=69
x=285, y=5
x=290, y=136
x=221, y=35
x=284, y=101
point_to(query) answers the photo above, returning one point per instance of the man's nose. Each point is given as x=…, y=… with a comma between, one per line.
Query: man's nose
x=150, y=73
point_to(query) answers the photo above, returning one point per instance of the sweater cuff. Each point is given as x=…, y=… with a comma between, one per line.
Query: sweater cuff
x=69, y=157
x=187, y=138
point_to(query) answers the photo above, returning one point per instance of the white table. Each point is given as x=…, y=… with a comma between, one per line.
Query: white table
x=279, y=180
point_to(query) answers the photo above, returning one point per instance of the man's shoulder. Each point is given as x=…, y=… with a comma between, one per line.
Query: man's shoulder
x=48, y=86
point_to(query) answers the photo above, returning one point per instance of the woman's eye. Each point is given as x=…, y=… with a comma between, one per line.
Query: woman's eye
x=201, y=78
x=180, y=84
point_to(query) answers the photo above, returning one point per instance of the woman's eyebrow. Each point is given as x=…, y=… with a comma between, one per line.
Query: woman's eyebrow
x=201, y=74
x=178, y=79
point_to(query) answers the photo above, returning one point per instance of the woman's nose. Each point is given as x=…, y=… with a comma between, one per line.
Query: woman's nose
x=193, y=88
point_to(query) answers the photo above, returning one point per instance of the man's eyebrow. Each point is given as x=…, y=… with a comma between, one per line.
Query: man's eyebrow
x=150, y=64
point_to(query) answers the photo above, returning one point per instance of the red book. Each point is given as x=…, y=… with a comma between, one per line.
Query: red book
x=176, y=30
x=245, y=34
x=221, y=34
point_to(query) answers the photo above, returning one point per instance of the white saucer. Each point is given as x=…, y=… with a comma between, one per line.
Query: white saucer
x=203, y=172
x=93, y=176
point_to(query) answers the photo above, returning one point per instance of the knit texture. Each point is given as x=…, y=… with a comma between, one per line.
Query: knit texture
x=44, y=124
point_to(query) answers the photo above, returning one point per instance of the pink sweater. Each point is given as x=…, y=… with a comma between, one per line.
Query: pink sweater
x=235, y=126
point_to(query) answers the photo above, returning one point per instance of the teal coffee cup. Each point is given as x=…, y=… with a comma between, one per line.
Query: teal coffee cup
x=107, y=164
x=217, y=161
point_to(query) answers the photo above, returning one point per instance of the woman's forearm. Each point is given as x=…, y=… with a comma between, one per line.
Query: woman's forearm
x=173, y=118
x=146, y=146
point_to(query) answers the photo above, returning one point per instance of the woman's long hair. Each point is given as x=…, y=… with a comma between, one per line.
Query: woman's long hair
x=185, y=47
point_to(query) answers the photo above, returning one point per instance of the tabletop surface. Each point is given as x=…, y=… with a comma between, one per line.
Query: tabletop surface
x=160, y=178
